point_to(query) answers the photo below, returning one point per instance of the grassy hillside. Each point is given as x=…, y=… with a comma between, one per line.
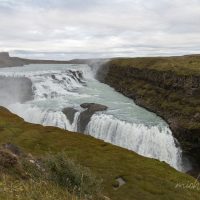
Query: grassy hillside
x=146, y=179
x=181, y=65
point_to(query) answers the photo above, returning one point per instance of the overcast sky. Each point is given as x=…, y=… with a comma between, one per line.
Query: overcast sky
x=66, y=29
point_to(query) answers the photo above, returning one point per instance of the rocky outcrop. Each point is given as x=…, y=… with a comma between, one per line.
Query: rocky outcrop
x=165, y=79
x=86, y=115
x=70, y=113
x=94, y=107
x=173, y=96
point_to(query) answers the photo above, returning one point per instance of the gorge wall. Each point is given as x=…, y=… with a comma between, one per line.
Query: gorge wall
x=169, y=87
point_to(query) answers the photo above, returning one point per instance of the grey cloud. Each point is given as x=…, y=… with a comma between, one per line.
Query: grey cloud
x=94, y=28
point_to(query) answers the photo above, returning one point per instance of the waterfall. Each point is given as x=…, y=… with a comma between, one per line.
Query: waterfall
x=75, y=122
x=153, y=142
x=124, y=124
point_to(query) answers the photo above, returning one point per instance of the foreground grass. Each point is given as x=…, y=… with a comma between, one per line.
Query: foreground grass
x=16, y=189
x=146, y=179
x=52, y=177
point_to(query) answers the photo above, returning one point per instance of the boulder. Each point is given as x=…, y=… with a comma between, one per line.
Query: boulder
x=69, y=113
x=93, y=107
x=86, y=115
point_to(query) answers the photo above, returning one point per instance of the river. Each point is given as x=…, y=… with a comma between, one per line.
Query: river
x=124, y=123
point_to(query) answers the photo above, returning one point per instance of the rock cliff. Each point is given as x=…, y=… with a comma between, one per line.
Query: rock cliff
x=169, y=87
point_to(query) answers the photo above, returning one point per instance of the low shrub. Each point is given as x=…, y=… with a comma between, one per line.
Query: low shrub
x=66, y=173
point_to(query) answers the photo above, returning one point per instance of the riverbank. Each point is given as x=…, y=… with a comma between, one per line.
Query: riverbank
x=144, y=178
x=169, y=86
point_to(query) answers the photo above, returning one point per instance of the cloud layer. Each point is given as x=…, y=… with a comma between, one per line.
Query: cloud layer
x=66, y=29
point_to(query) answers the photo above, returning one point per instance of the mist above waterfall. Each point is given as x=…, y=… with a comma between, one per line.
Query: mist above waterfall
x=13, y=90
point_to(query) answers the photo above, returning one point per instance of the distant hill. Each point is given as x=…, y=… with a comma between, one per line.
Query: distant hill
x=7, y=61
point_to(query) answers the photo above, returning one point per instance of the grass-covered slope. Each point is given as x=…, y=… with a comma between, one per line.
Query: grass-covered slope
x=56, y=176
x=167, y=86
x=146, y=179
x=181, y=65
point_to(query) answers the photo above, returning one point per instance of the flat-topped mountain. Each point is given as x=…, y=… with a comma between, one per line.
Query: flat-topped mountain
x=7, y=61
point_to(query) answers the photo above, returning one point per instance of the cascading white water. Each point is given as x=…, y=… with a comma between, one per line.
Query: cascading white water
x=124, y=124
x=153, y=142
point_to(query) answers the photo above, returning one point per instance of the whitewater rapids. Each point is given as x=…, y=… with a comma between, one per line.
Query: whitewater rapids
x=124, y=123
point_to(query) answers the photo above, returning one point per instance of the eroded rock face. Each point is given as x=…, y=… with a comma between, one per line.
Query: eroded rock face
x=70, y=113
x=86, y=115
x=172, y=96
